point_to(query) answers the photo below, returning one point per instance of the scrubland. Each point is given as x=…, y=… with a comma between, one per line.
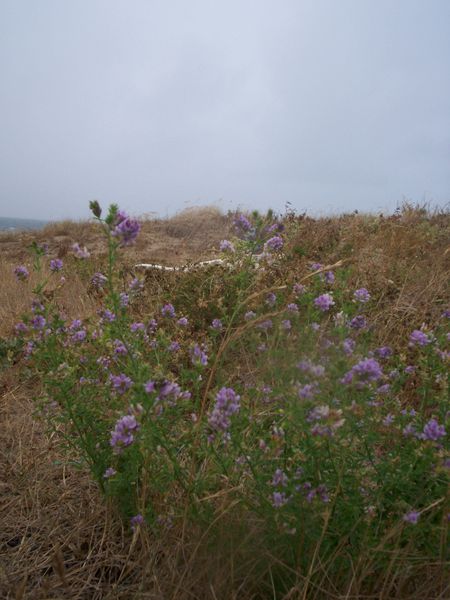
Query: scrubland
x=273, y=427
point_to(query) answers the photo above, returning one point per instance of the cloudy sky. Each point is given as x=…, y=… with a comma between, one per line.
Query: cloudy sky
x=158, y=105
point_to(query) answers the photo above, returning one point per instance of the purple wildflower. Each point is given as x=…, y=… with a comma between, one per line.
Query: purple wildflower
x=299, y=289
x=121, y=383
x=198, y=356
x=110, y=472
x=136, y=521
x=108, y=316
x=411, y=517
x=226, y=246
x=366, y=371
x=358, y=322
x=286, y=324
x=348, y=345
x=249, y=315
x=20, y=327
x=134, y=327
x=99, y=280
x=217, y=324
x=136, y=285
x=56, y=265
x=383, y=352
x=275, y=243
x=150, y=386
x=168, y=310
x=418, y=338
x=361, y=295
x=119, y=347
x=324, y=302
x=124, y=300
x=329, y=277
x=21, y=273
x=227, y=404
x=279, y=499
x=307, y=391
x=126, y=230
x=174, y=346
x=271, y=299
x=80, y=252
x=433, y=431
x=38, y=322
x=183, y=322
x=292, y=307
x=241, y=222
x=122, y=436
x=279, y=478
x=79, y=336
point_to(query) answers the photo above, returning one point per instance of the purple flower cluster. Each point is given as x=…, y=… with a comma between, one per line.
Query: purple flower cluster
x=199, y=356
x=357, y=323
x=126, y=229
x=274, y=243
x=227, y=404
x=242, y=223
x=121, y=383
x=419, y=338
x=366, y=371
x=324, y=302
x=226, y=246
x=123, y=433
x=433, y=431
x=168, y=310
x=361, y=295
x=21, y=273
x=217, y=324
x=56, y=264
x=80, y=252
x=99, y=280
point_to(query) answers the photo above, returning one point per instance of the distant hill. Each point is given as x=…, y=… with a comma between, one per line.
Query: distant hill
x=12, y=224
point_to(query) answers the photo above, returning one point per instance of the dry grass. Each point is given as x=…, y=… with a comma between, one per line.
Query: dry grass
x=58, y=539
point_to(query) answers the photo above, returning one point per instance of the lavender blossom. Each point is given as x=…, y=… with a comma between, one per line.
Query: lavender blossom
x=366, y=371
x=168, y=310
x=110, y=472
x=99, y=280
x=182, y=322
x=359, y=322
x=121, y=383
x=80, y=252
x=361, y=295
x=137, y=326
x=217, y=324
x=56, y=265
x=227, y=404
x=419, y=338
x=411, y=517
x=242, y=223
x=126, y=231
x=198, y=356
x=123, y=434
x=124, y=300
x=21, y=273
x=226, y=246
x=136, y=521
x=324, y=302
x=279, y=499
x=275, y=243
x=299, y=289
x=38, y=322
x=271, y=299
x=433, y=431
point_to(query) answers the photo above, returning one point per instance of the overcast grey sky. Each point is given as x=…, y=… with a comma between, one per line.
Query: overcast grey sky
x=331, y=105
